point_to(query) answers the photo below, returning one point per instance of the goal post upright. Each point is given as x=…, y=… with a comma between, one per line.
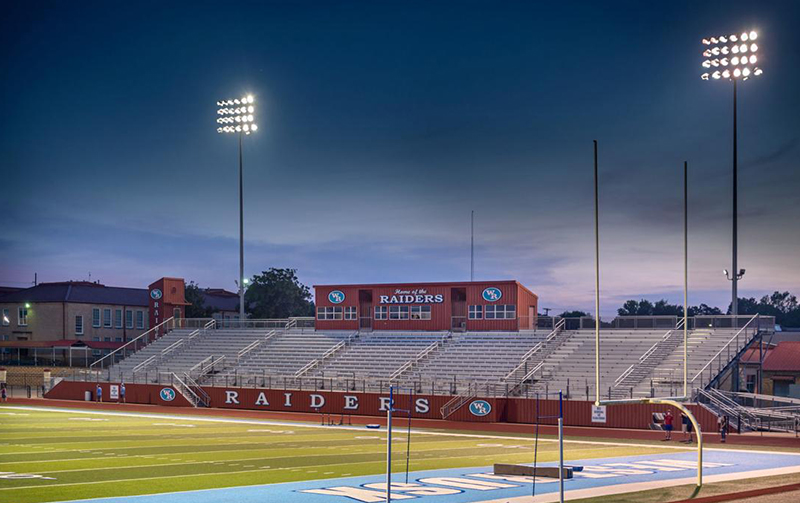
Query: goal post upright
x=677, y=402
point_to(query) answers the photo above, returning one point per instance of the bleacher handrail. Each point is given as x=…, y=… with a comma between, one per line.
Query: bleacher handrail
x=153, y=330
x=727, y=345
x=328, y=353
x=454, y=404
x=410, y=363
x=143, y=364
x=170, y=349
x=252, y=346
x=558, y=327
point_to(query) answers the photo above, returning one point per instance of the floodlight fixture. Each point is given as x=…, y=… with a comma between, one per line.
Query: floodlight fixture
x=716, y=60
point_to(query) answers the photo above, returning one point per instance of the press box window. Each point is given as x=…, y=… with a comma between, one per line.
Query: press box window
x=6, y=319
x=128, y=319
x=350, y=313
x=381, y=313
x=118, y=318
x=398, y=312
x=107, y=318
x=420, y=312
x=501, y=312
x=476, y=312
x=96, y=318
x=329, y=313
x=79, y=325
x=22, y=317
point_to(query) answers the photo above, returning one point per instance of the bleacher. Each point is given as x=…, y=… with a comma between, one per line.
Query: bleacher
x=288, y=352
x=378, y=354
x=477, y=356
x=458, y=359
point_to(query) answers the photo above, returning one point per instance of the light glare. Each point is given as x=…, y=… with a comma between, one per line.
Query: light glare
x=753, y=35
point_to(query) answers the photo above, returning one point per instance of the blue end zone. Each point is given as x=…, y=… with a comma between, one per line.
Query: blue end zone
x=478, y=484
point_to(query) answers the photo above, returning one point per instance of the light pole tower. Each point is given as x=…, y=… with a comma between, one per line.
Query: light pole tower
x=238, y=116
x=733, y=58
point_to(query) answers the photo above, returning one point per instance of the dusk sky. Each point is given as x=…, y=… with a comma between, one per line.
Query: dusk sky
x=381, y=126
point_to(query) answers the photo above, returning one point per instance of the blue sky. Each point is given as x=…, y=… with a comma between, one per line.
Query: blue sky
x=381, y=125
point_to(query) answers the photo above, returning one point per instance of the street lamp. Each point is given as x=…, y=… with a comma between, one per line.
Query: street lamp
x=237, y=116
x=734, y=58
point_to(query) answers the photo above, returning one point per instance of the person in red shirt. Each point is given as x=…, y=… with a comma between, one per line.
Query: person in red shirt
x=668, y=425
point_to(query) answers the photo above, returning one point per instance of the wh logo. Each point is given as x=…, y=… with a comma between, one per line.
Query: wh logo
x=167, y=394
x=336, y=297
x=156, y=294
x=480, y=408
x=492, y=294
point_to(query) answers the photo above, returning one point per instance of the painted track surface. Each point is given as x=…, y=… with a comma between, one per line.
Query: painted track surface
x=478, y=484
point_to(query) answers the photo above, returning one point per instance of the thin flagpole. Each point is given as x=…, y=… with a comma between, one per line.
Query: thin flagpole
x=472, y=246
x=685, y=278
x=596, y=284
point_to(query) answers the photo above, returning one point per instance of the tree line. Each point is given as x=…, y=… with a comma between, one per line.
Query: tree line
x=782, y=305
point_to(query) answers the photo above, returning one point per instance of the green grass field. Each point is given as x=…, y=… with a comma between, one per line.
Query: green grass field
x=79, y=455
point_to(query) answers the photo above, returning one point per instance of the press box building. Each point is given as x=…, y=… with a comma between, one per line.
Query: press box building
x=456, y=306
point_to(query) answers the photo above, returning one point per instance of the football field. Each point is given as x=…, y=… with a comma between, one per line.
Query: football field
x=50, y=454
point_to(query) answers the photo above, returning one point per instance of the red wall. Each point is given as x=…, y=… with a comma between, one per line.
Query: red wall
x=140, y=394
x=576, y=413
x=513, y=294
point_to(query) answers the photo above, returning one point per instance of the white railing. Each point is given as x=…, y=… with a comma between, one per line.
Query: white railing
x=726, y=348
x=410, y=363
x=622, y=376
x=331, y=351
x=559, y=326
x=154, y=330
x=249, y=348
x=458, y=401
x=194, y=396
x=170, y=349
x=210, y=325
x=147, y=362
x=209, y=359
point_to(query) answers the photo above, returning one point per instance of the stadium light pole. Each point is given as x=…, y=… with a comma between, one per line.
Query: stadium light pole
x=596, y=284
x=734, y=63
x=237, y=116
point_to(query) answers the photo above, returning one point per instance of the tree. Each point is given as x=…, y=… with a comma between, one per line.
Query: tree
x=278, y=294
x=198, y=309
x=782, y=305
x=574, y=314
x=704, y=310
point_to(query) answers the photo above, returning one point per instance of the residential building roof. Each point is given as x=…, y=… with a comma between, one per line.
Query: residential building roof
x=784, y=358
x=79, y=292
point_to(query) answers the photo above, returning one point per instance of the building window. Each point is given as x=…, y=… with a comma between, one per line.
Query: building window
x=118, y=318
x=96, y=318
x=107, y=318
x=22, y=316
x=6, y=318
x=96, y=338
x=501, y=312
x=350, y=313
x=128, y=319
x=79, y=325
x=420, y=312
x=476, y=312
x=139, y=319
x=96, y=352
x=398, y=312
x=329, y=313
x=381, y=313
x=118, y=339
x=107, y=339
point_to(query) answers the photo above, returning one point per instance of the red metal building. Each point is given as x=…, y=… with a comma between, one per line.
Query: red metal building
x=458, y=306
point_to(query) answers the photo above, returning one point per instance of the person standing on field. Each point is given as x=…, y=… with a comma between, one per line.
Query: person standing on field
x=668, y=425
x=3, y=394
x=99, y=394
x=122, y=392
x=723, y=427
